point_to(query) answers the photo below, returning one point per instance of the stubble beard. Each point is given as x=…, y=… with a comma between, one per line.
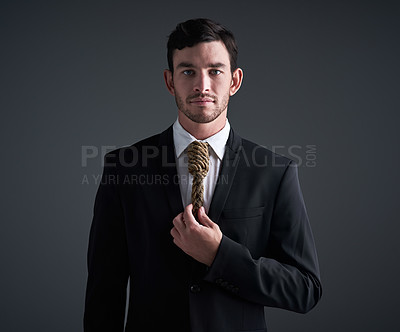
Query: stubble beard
x=200, y=116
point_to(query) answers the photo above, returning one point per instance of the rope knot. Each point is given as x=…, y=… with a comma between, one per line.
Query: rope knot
x=198, y=159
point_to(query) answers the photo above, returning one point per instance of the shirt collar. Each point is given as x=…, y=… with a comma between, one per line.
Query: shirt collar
x=182, y=139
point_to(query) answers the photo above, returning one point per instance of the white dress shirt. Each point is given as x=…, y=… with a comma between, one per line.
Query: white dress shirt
x=217, y=143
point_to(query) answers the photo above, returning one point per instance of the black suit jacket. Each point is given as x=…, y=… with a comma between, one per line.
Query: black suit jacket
x=266, y=257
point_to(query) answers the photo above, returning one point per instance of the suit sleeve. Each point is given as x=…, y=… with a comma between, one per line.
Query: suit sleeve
x=107, y=261
x=288, y=275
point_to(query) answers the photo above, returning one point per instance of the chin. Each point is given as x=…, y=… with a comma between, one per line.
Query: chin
x=203, y=117
x=202, y=114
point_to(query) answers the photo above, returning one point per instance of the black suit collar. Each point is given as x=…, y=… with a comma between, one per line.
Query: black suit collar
x=226, y=176
x=167, y=165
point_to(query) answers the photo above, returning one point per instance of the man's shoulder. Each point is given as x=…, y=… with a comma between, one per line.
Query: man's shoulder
x=129, y=153
x=153, y=140
x=260, y=154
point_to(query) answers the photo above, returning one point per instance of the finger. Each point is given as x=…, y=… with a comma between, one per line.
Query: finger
x=204, y=219
x=176, y=239
x=179, y=222
x=188, y=215
x=174, y=232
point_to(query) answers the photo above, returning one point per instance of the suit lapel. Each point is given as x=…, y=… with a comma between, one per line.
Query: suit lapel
x=167, y=166
x=226, y=176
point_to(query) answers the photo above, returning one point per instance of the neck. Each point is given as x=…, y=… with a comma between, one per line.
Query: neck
x=201, y=131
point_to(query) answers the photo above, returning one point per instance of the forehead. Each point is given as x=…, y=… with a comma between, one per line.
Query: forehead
x=202, y=54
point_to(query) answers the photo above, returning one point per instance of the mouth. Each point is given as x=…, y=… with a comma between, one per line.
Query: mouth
x=202, y=101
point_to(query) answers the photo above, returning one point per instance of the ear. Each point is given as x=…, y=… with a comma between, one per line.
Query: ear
x=169, y=82
x=237, y=77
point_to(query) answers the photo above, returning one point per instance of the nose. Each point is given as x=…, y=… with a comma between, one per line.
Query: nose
x=202, y=83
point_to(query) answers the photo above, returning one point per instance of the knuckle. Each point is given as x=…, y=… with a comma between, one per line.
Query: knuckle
x=193, y=228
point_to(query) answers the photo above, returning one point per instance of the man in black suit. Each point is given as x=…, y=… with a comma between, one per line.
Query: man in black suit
x=214, y=269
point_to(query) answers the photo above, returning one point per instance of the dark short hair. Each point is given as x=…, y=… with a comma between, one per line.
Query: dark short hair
x=192, y=32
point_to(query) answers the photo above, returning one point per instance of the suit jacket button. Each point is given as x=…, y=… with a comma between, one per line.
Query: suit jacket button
x=195, y=288
x=224, y=284
x=219, y=281
x=230, y=287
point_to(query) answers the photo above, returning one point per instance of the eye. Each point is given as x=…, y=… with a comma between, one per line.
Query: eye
x=215, y=72
x=188, y=72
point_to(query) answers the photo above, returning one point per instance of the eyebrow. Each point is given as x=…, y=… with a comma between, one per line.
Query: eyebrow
x=210, y=65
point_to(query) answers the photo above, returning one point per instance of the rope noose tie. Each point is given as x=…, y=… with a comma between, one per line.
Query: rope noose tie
x=198, y=161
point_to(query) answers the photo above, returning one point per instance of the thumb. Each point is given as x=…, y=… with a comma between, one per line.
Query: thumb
x=204, y=219
x=188, y=215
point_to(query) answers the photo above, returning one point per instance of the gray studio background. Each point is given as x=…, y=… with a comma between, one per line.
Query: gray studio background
x=321, y=84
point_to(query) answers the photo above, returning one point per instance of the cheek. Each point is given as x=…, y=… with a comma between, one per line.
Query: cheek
x=181, y=89
x=223, y=89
